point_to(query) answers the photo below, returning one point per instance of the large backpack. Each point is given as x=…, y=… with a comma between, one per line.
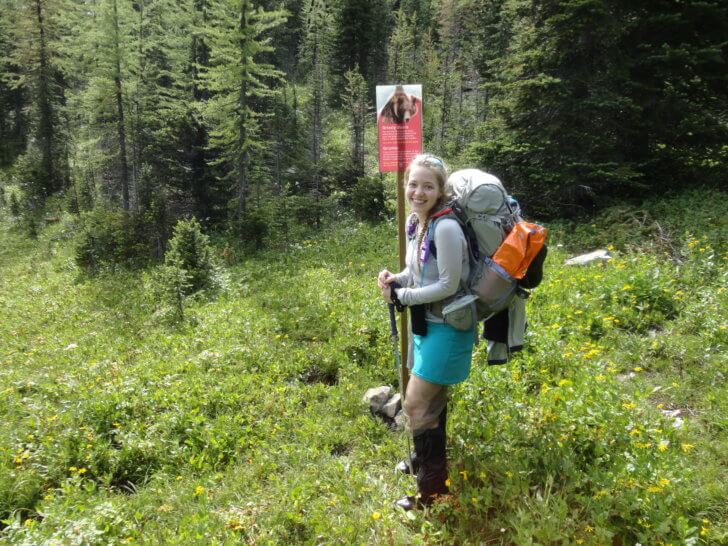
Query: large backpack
x=487, y=215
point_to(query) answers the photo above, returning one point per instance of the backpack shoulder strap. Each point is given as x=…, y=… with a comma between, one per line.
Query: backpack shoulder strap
x=446, y=212
x=471, y=240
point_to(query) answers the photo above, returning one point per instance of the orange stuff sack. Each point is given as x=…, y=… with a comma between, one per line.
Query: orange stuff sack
x=518, y=250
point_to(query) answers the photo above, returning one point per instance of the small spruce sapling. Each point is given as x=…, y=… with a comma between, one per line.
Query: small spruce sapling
x=189, y=268
x=189, y=250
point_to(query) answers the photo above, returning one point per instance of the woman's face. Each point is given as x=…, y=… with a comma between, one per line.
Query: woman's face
x=422, y=189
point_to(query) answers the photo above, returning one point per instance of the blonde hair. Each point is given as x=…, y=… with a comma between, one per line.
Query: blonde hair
x=437, y=166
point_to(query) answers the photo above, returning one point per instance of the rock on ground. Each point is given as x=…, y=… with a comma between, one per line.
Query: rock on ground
x=585, y=259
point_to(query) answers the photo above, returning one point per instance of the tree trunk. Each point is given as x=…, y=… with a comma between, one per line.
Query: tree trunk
x=317, y=125
x=445, y=105
x=137, y=134
x=120, y=114
x=45, y=108
x=242, y=174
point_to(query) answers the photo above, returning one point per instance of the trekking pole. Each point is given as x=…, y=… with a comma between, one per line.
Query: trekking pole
x=400, y=371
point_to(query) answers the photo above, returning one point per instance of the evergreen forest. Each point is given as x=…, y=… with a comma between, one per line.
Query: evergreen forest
x=192, y=219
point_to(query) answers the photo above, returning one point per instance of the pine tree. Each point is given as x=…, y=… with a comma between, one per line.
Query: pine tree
x=362, y=27
x=103, y=51
x=315, y=53
x=235, y=78
x=356, y=103
x=33, y=33
x=599, y=98
x=402, y=49
x=677, y=80
x=161, y=100
x=557, y=116
x=13, y=99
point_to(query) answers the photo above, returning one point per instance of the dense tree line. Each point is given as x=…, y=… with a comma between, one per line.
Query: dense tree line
x=256, y=116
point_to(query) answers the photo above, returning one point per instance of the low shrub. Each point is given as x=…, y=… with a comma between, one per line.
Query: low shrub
x=109, y=239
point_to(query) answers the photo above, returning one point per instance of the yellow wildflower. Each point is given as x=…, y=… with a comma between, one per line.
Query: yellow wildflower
x=687, y=447
x=376, y=515
x=663, y=445
x=199, y=490
x=464, y=474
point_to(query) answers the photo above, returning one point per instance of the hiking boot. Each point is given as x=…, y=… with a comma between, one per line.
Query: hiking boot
x=403, y=466
x=406, y=503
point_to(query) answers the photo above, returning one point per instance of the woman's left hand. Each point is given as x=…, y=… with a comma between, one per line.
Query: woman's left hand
x=387, y=294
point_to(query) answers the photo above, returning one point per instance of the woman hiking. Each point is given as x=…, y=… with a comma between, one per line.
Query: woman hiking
x=436, y=267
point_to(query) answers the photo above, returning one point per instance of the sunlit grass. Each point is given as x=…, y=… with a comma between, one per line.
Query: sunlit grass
x=245, y=422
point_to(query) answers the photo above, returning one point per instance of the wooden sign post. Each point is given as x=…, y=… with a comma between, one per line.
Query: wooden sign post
x=399, y=125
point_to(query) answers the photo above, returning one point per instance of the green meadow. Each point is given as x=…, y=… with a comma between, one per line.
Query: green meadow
x=244, y=422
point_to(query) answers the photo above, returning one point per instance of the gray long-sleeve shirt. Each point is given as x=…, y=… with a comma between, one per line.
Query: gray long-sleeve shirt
x=443, y=275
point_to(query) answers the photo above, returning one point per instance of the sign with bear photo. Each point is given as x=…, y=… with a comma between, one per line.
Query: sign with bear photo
x=399, y=124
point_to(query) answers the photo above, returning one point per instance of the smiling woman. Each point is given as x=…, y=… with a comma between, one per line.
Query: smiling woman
x=423, y=190
x=441, y=354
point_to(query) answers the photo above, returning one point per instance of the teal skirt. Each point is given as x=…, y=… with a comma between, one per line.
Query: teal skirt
x=443, y=356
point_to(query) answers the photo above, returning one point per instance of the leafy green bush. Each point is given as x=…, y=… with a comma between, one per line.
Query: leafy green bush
x=366, y=198
x=109, y=239
x=101, y=240
x=253, y=228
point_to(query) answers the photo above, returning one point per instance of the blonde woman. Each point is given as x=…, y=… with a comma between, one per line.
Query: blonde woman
x=436, y=267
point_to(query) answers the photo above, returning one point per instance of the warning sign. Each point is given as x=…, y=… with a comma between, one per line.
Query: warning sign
x=399, y=123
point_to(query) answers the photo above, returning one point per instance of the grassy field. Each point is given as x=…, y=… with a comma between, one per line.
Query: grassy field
x=244, y=423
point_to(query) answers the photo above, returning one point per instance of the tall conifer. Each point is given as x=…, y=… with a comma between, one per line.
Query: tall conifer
x=236, y=77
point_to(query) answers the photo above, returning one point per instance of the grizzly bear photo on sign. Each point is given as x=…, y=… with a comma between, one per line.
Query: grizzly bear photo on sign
x=400, y=107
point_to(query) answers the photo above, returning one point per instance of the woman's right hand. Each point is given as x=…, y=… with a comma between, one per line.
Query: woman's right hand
x=384, y=278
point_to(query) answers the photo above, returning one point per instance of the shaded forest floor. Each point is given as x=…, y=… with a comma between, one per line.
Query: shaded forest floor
x=245, y=422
